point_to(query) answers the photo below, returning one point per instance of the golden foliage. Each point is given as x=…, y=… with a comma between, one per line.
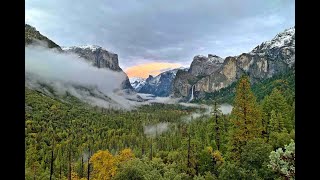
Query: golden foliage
x=209, y=149
x=125, y=155
x=218, y=157
x=104, y=165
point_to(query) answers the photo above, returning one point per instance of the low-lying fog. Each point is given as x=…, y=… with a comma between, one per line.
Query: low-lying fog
x=64, y=73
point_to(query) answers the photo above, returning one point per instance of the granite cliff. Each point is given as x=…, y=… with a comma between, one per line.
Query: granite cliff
x=211, y=73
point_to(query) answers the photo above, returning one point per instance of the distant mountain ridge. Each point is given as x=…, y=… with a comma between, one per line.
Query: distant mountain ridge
x=264, y=61
x=137, y=83
x=159, y=85
x=206, y=74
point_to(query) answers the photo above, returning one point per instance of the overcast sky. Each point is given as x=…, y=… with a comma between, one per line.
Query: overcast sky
x=166, y=31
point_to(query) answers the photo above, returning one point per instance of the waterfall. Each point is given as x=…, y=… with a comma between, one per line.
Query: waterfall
x=191, y=97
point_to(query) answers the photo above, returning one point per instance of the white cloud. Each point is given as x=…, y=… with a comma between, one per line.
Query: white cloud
x=154, y=130
x=69, y=73
x=154, y=30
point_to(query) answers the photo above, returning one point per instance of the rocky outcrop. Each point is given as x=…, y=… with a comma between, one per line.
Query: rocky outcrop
x=212, y=73
x=100, y=58
x=202, y=65
x=182, y=83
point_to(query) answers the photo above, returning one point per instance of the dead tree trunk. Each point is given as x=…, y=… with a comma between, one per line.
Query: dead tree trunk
x=88, y=176
x=189, y=150
x=81, y=169
x=69, y=173
x=51, y=163
x=151, y=150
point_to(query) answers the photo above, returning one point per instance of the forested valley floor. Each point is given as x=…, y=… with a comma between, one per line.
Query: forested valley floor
x=66, y=139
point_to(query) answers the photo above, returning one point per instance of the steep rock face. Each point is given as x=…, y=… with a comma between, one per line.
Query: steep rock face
x=220, y=78
x=32, y=36
x=160, y=85
x=215, y=59
x=100, y=58
x=182, y=83
x=266, y=60
x=126, y=84
x=229, y=69
x=202, y=65
x=280, y=51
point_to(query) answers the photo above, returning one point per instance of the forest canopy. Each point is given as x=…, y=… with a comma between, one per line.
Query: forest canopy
x=71, y=140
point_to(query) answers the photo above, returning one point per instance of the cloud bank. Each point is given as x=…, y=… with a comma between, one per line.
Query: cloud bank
x=48, y=70
x=162, y=30
x=224, y=108
x=69, y=73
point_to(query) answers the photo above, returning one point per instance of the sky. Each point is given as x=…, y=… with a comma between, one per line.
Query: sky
x=150, y=36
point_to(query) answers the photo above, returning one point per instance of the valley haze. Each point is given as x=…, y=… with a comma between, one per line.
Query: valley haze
x=161, y=89
x=66, y=72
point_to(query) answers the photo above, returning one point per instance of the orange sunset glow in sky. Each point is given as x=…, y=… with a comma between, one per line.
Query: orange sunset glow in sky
x=154, y=68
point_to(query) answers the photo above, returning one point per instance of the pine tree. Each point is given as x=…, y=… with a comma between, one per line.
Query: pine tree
x=281, y=124
x=246, y=118
x=273, y=123
x=31, y=161
x=266, y=115
x=276, y=123
x=88, y=161
x=52, y=159
x=59, y=161
x=277, y=102
x=217, y=124
x=293, y=116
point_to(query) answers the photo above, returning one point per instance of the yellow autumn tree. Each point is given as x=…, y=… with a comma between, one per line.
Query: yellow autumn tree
x=74, y=175
x=216, y=155
x=104, y=165
x=125, y=155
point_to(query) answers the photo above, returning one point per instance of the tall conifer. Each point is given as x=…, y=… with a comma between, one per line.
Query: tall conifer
x=245, y=117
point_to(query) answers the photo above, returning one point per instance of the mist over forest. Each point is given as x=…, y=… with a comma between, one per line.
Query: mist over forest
x=149, y=97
